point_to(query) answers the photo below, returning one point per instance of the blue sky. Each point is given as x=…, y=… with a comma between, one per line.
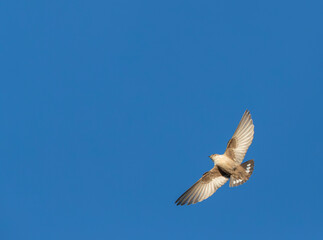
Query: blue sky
x=110, y=109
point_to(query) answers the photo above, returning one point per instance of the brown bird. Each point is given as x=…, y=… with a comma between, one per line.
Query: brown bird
x=226, y=166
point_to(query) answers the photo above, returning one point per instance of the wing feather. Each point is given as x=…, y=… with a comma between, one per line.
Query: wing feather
x=204, y=187
x=242, y=138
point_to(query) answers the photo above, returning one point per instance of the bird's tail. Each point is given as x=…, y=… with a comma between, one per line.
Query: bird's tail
x=243, y=174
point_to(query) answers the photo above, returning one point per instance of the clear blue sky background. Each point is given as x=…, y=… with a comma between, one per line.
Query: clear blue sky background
x=110, y=109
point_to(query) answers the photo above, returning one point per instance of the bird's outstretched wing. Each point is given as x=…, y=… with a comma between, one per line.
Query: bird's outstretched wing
x=241, y=139
x=204, y=188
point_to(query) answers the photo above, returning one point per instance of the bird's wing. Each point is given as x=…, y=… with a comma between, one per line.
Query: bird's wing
x=204, y=188
x=241, y=139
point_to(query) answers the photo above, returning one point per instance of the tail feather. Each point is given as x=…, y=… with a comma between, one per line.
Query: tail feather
x=249, y=166
x=243, y=174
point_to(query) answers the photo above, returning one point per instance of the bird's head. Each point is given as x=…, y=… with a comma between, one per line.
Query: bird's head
x=213, y=156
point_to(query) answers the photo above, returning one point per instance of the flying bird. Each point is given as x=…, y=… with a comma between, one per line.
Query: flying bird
x=226, y=166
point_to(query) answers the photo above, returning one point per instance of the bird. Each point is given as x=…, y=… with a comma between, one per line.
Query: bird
x=226, y=166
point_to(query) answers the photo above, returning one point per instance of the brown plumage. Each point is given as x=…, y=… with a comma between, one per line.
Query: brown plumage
x=226, y=166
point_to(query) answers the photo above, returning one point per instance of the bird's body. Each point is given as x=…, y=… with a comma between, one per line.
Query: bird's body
x=224, y=162
x=226, y=166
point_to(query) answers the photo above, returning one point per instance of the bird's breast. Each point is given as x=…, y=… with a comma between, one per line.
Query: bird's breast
x=225, y=163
